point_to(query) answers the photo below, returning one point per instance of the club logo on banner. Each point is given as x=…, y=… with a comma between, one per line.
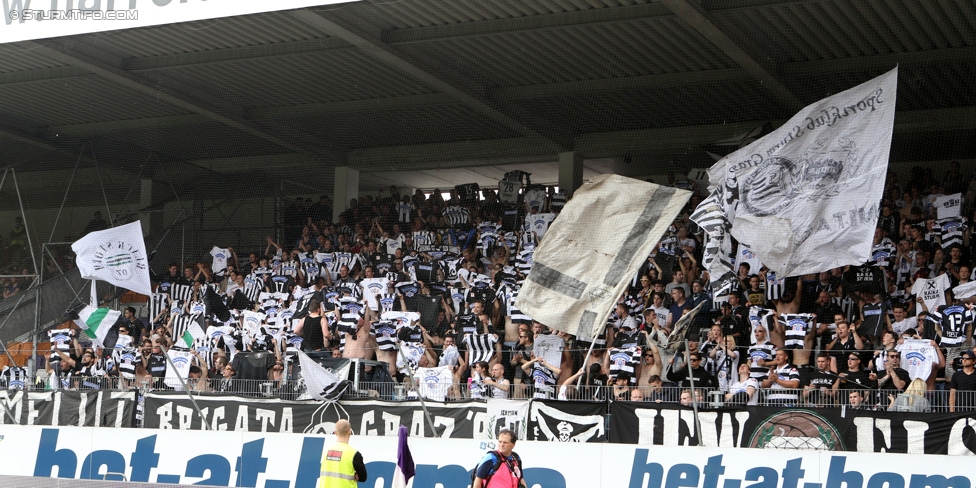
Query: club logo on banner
x=506, y=414
x=801, y=196
x=566, y=421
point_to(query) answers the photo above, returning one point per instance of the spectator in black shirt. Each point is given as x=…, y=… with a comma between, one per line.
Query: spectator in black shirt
x=679, y=374
x=855, y=377
x=818, y=385
x=962, y=386
x=894, y=377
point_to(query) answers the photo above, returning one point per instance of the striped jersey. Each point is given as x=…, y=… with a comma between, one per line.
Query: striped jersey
x=351, y=311
x=181, y=293
x=765, y=352
x=775, y=286
x=13, y=378
x=883, y=253
x=457, y=216
x=778, y=393
x=423, y=237
x=481, y=347
x=158, y=303
x=759, y=316
x=624, y=360
x=954, y=320
x=951, y=230
x=797, y=326
x=385, y=332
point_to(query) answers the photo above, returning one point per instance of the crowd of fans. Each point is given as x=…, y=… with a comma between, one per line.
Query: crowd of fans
x=428, y=285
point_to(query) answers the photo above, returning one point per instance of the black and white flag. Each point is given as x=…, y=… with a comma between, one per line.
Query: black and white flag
x=562, y=421
x=806, y=195
x=576, y=277
x=181, y=293
x=158, y=302
x=321, y=384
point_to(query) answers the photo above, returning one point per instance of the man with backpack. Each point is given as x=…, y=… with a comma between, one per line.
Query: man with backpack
x=501, y=468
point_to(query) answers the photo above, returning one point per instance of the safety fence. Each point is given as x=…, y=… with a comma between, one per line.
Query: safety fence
x=434, y=389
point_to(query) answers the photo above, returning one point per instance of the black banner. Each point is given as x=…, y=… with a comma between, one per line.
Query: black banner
x=466, y=420
x=763, y=427
x=84, y=408
x=564, y=421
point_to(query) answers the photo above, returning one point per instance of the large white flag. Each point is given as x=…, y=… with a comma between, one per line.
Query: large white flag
x=116, y=255
x=805, y=197
x=594, y=248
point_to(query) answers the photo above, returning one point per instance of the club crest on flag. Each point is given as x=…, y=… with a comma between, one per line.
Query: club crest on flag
x=794, y=195
x=116, y=255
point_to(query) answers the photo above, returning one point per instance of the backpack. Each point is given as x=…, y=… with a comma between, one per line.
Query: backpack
x=497, y=462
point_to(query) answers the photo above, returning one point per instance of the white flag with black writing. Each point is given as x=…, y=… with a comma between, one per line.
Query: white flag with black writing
x=808, y=192
x=579, y=271
x=116, y=255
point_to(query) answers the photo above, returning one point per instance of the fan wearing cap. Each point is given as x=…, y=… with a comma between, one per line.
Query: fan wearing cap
x=963, y=380
x=679, y=374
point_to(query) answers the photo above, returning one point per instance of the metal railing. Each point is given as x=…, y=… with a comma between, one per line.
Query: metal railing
x=866, y=399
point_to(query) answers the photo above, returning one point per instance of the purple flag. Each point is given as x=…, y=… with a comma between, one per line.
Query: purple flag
x=405, y=468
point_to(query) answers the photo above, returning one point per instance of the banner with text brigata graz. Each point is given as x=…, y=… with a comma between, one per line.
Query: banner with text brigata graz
x=25, y=20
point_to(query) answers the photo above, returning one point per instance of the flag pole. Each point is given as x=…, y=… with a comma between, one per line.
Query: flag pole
x=694, y=397
x=423, y=404
x=186, y=389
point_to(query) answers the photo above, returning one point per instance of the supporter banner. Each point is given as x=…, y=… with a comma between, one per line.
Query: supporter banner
x=25, y=20
x=293, y=461
x=440, y=249
x=368, y=417
x=833, y=429
x=466, y=420
x=506, y=414
x=89, y=408
x=562, y=421
x=805, y=196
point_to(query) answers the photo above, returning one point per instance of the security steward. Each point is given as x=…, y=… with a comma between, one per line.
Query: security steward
x=342, y=466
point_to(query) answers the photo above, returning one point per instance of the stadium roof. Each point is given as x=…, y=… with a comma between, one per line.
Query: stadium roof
x=456, y=91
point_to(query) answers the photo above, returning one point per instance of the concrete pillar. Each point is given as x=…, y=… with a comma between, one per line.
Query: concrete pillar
x=346, y=188
x=570, y=171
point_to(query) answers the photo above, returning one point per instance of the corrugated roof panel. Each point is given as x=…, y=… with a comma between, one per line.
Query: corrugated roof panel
x=677, y=106
x=207, y=35
x=335, y=75
x=578, y=53
x=422, y=125
x=78, y=101
x=20, y=57
x=195, y=141
x=406, y=14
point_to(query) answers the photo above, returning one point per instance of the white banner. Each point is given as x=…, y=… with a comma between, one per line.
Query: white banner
x=506, y=414
x=24, y=20
x=593, y=248
x=116, y=255
x=220, y=458
x=550, y=348
x=805, y=197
